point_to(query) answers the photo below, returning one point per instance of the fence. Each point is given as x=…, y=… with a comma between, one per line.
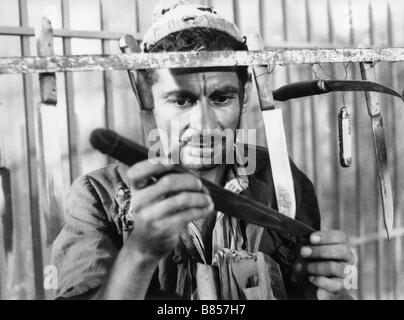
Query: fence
x=349, y=198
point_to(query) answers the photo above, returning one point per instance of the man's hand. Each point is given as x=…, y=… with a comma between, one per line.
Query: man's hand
x=324, y=263
x=162, y=209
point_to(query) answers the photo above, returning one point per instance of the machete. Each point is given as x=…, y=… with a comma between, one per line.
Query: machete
x=275, y=135
x=373, y=104
x=238, y=206
x=314, y=87
x=49, y=154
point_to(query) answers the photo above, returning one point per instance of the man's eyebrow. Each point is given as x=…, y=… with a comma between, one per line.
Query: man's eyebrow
x=179, y=93
x=226, y=90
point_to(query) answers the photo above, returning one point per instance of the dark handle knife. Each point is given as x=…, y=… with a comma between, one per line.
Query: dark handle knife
x=241, y=207
x=299, y=90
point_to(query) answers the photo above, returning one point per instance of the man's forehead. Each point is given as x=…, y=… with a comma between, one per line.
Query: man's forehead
x=189, y=77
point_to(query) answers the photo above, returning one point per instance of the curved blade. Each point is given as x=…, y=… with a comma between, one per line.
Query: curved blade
x=360, y=85
x=314, y=87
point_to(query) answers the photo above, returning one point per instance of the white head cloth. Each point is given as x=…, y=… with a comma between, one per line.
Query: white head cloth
x=171, y=16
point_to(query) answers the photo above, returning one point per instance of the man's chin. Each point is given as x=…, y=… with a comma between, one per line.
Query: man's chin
x=195, y=166
x=201, y=159
x=199, y=163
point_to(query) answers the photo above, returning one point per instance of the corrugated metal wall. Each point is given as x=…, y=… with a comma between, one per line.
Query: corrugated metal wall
x=349, y=198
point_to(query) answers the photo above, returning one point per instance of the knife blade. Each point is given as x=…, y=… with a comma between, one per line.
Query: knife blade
x=275, y=135
x=373, y=105
x=315, y=87
x=49, y=154
x=238, y=206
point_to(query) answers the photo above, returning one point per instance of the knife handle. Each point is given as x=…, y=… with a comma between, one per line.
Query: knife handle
x=345, y=137
x=300, y=89
x=241, y=207
x=129, y=153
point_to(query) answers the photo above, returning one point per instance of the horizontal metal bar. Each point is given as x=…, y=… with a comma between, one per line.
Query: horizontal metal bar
x=67, y=33
x=107, y=35
x=10, y=65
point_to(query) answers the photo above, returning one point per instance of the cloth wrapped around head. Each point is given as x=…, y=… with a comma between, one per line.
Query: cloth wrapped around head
x=172, y=16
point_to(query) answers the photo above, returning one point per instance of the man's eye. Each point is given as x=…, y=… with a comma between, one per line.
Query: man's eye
x=222, y=100
x=182, y=103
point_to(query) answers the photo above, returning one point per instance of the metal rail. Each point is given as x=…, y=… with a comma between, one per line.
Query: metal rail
x=65, y=33
x=10, y=65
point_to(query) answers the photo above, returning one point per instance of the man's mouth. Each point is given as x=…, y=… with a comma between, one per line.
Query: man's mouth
x=197, y=144
x=203, y=142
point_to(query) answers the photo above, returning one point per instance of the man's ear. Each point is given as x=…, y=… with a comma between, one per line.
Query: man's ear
x=247, y=94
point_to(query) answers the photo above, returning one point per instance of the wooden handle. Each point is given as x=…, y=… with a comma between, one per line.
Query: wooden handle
x=261, y=76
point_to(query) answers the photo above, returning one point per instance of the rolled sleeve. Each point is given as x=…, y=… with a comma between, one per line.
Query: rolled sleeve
x=86, y=248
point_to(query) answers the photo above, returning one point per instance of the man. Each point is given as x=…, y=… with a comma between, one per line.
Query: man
x=127, y=238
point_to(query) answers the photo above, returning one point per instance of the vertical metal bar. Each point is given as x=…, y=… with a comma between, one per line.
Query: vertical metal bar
x=31, y=151
x=261, y=19
x=330, y=23
x=107, y=76
x=308, y=21
x=313, y=128
x=74, y=167
x=137, y=23
x=333, y=123
x=288, y=114
x=358, y=176
x=397, y=240
x=285, y=19
x=379, y=247
x=236, y=13
x=358, y=196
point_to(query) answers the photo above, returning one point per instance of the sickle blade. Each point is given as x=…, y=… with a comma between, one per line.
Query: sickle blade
x=314, y=87
x=358, y=85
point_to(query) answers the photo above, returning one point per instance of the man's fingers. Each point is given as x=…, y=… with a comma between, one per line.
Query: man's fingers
x=180, y=202
x=328, y=237
x=331, y=285
x=169, y=184
x=338, y=252
x=181, y=219
x=325, y=295
x=141, y=172
x=325, y=268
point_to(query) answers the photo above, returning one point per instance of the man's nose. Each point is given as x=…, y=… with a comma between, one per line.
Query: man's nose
x=203, y=116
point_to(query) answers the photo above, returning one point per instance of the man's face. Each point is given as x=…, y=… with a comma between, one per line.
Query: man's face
x=194, y=109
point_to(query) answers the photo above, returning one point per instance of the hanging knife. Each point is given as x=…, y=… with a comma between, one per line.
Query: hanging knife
x=50, y=172
x=238, y=206
x=6, y=212
x=128, y=44
x=275, y=135
x=315, y=87
x=373, y=104
x=345, y=137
